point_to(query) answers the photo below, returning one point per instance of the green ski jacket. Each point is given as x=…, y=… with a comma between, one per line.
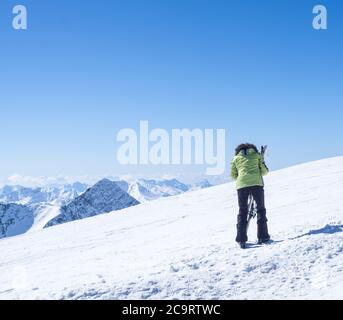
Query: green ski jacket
x=248, y=169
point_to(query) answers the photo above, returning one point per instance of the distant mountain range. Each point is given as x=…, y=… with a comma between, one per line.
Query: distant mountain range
x=141, y=189
x=26, y=209
x=147, y=190
x=58, y=195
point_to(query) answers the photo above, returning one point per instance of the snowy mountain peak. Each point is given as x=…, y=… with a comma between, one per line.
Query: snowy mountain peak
x=104, y=184
x=105, y=196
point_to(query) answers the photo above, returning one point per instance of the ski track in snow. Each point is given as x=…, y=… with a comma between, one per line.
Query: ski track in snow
x=183, y=247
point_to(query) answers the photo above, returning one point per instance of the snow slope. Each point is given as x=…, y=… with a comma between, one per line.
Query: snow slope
x=183, y=247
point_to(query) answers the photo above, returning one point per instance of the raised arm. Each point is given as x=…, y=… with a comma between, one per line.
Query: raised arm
x=263, y=167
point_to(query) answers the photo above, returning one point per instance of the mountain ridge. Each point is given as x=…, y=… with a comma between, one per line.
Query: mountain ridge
x=104, y=197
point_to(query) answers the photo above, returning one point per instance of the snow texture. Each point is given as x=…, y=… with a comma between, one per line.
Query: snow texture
x=182, y=247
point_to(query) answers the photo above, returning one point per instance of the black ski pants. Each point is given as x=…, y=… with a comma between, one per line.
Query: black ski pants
x=262, y=228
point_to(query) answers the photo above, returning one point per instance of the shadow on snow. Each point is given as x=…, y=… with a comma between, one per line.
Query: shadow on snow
x=328, y=229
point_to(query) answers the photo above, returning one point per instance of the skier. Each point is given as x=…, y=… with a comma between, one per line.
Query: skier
x=248, y=168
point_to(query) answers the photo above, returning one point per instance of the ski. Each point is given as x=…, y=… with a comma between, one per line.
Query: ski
x=252, y=210
x=266, y=242
x=263, y=150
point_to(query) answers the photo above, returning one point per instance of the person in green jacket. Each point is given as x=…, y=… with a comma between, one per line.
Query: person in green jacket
x=247, y=169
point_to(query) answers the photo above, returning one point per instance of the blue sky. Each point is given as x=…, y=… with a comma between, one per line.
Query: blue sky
x=85, y=69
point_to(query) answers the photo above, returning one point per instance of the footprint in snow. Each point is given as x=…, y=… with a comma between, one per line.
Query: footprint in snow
x=174, y=269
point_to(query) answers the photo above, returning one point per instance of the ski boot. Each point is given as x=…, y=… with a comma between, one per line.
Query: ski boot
x=242, y=245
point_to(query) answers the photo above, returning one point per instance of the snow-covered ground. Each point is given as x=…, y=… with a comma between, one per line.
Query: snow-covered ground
x=183, y=247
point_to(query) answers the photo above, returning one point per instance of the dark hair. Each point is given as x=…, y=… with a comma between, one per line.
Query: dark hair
x=245, y=146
